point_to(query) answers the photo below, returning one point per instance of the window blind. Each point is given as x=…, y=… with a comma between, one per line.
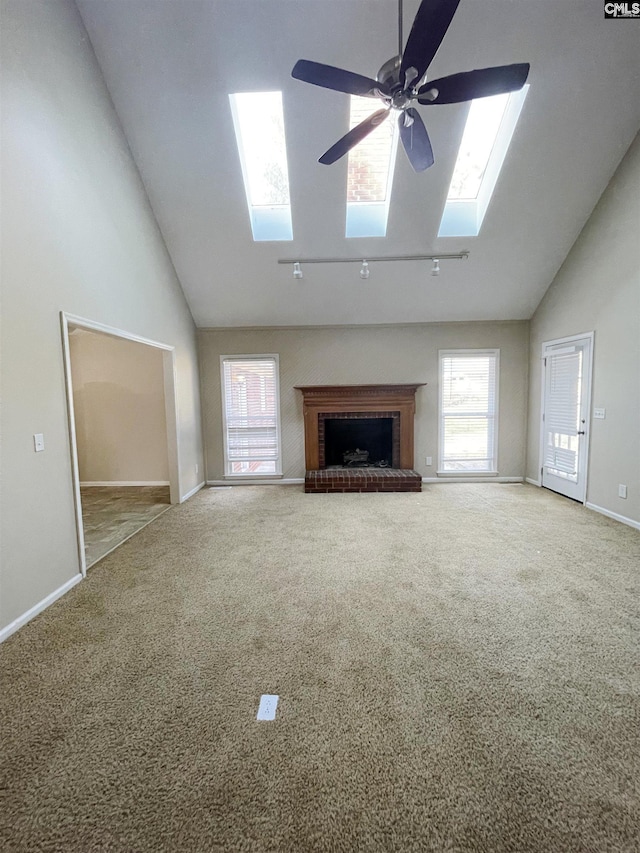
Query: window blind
x=250, y=399
x=562, y=413
x=468, y=405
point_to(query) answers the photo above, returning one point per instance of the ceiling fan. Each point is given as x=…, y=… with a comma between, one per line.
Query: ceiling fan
x=403, y=79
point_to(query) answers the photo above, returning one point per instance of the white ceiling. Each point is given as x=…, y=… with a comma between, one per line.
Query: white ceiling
x=170, y=65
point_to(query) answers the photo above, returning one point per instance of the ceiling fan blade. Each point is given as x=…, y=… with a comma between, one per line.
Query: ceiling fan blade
x=355, y=135
x=475, y=84
x=429, y=27
x=330, y=77
x=415, y=140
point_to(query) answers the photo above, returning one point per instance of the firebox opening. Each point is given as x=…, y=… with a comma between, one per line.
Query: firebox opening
x=372, y=436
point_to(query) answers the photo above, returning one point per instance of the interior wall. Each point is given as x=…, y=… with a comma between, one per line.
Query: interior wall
x=118, y=400
x=369, y=355
x=78, y=235
x=598, y=289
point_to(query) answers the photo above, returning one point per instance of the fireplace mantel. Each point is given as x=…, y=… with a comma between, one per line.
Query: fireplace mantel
x=340, y=392
x=329, y=399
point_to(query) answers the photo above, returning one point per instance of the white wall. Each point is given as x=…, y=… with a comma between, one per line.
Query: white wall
x=368, y=355
x=598, y=289
x=119, y=409
x=78, y=236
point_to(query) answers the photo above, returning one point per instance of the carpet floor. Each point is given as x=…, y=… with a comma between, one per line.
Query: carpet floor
x=458, y=671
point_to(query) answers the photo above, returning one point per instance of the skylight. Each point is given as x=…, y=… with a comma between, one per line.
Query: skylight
x=370, y=174
x=485, y=141
x=259, y=124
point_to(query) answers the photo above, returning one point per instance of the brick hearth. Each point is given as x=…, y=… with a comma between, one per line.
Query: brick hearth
x=362, y=480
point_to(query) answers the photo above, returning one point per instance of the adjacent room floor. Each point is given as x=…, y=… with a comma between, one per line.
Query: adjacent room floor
x=111, y=514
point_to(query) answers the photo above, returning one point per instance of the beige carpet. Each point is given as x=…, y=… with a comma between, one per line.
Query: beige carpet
x=458, y=671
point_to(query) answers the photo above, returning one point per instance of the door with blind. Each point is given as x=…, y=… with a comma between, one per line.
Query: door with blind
x=565, y=415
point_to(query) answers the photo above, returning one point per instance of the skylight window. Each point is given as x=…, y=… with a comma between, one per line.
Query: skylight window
x=485, y=141
x=370, y=174
x=259, y=124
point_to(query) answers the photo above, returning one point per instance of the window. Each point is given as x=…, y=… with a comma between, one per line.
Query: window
x=259, y=124
x=468, y=411
x=370, y=174
x=251, y=415
x=490, y=125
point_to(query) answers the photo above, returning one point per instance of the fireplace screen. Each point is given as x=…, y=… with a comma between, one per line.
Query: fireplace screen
x=358, y=442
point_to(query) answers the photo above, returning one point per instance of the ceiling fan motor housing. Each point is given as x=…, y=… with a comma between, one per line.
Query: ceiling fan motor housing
x=401, y=93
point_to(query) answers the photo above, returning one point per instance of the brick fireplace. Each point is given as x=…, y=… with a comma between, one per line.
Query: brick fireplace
x=337, y=415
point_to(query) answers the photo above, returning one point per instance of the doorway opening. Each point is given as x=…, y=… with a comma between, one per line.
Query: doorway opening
x=122, y=417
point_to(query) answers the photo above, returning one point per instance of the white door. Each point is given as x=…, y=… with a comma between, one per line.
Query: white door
x=565, y=415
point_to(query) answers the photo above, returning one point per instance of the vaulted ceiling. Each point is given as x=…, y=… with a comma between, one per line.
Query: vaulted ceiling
x=170, y=65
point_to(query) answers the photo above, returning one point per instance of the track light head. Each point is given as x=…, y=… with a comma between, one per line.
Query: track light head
x=435, y=269
x=297, y=272
x=364, y=270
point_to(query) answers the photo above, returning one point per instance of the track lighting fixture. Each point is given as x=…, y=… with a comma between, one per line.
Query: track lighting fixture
x=364, y=264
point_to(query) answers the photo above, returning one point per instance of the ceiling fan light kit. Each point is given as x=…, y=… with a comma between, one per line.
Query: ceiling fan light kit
x=403, y=79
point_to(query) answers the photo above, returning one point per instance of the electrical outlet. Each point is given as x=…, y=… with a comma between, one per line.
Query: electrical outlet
x=622, y=490
x=429, y=460
x=267, y=707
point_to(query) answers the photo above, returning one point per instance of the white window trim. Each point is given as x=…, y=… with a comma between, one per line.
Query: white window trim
x=443, y=353
x=250, y=475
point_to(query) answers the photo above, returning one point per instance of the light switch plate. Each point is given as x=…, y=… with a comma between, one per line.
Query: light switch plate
x=599, y=413
x=38, y=442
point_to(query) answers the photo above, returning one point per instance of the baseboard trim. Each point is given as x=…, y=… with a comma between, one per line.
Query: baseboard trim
x=124, y=483
x=192, y=492
x=12, y=627
x=533, y=482
x=294, y=481
x=464, y=479
x=614, y=515
x=299, y=481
